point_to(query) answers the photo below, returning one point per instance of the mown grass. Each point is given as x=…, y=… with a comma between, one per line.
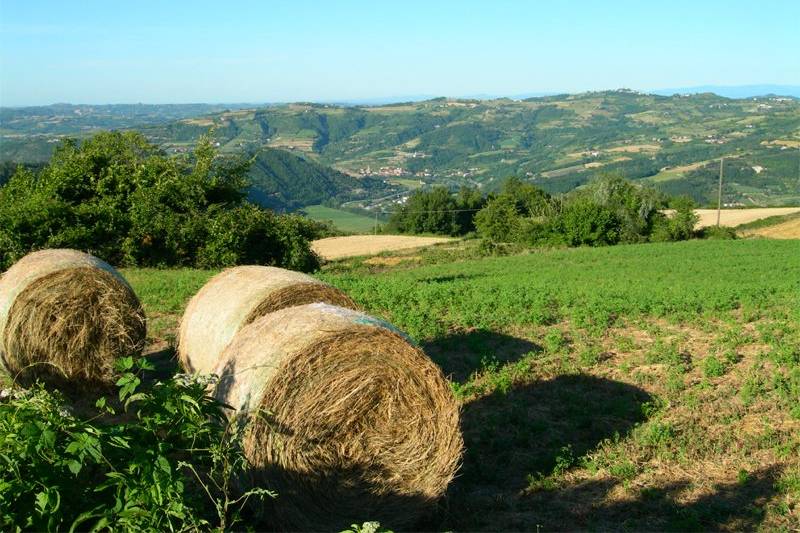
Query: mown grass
x=645, y=387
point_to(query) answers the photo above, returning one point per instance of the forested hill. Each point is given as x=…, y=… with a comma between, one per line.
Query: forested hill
x=284, y=181
x=557, y=142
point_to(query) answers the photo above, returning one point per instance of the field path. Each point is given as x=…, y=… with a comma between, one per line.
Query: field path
x=356, y=245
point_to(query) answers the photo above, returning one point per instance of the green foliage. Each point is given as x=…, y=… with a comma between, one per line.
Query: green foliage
x=679, y=226
x=717, y=233
x=438, y=211
x=610, y=210
x=157, y=458
x=499, y=221
x=119, y=197
x=584, y=222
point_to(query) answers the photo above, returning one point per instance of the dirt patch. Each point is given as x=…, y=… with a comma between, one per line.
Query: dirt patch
x=357, y=245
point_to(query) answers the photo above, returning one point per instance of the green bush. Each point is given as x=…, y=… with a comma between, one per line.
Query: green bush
x=117, y=196
x=583, y=222
x=499, y=221
x=164, y=459
x=438, y=211
x=717, y=233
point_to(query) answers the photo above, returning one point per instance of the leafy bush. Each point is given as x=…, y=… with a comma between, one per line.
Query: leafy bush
x=717, y=233
x=610, y=210
x=164, y=459
x=438, y=211
x=679, y=226
x=583, y=222
x=119, y=197
x=499, y=221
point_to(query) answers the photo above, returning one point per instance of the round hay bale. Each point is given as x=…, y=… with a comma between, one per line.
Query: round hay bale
x=65, y=317
x=234, y=298
x=343, y=417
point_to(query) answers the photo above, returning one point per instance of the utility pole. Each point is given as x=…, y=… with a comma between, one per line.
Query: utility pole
x=719, y=191
x=376, y=221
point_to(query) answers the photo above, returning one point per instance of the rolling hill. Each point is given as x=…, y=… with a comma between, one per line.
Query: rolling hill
x=286, y=182
x=557, y=142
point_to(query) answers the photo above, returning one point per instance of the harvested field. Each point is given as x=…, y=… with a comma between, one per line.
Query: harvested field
x=787, y=230
x=734, y=217
x=356, y=245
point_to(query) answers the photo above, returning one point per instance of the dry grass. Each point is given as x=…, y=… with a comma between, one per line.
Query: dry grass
x=786, y=230
x=635, y=148
x=734, y=217
x=69, y=327
x=236, y=297
x=358, y=245
x=346, y=419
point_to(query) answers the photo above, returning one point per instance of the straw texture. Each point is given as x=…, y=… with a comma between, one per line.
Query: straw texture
x=345, y=418
x=65, y=317
x=236, y=297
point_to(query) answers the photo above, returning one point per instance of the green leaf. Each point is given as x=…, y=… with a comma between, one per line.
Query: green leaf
x=74, y=466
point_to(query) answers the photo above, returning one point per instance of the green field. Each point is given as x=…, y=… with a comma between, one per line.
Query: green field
x=645, y=387
x=343, y=220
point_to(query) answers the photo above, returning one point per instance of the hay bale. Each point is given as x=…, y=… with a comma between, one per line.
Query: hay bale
x=65, y=317
x=344, y=418
x=235, y=298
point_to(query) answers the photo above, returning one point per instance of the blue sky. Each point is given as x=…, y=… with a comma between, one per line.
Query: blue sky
x=264, y=51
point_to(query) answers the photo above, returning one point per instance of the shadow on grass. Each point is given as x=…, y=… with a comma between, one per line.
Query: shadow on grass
x=734, y=506
x=460, y=354
x=529, y=431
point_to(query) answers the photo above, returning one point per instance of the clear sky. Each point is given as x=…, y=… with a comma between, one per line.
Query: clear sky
x=170, y=51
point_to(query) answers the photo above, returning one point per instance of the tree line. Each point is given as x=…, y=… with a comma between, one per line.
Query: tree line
x=609, y=210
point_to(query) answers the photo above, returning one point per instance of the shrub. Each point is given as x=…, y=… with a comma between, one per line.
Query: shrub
x=167, y=462
x=439, y=211
x=583, y=222
x=717, y=233
x=499, y=221
x=117, y=196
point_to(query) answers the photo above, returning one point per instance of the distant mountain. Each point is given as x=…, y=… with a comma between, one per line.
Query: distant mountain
x=735, y=91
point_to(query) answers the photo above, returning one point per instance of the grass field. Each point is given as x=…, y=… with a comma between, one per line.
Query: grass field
x=645, y=387
x=343, y=220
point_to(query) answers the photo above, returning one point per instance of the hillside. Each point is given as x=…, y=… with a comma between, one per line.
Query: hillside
x=285, y=181
x=558, y=142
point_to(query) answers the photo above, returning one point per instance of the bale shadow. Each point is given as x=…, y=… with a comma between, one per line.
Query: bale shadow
x=461, y=354
x=331, y=500
x=164, y=359
x=449, y=279
x=511, y=437
x=734, y=506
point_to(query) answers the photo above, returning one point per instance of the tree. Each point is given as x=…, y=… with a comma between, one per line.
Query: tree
x=119, y=197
